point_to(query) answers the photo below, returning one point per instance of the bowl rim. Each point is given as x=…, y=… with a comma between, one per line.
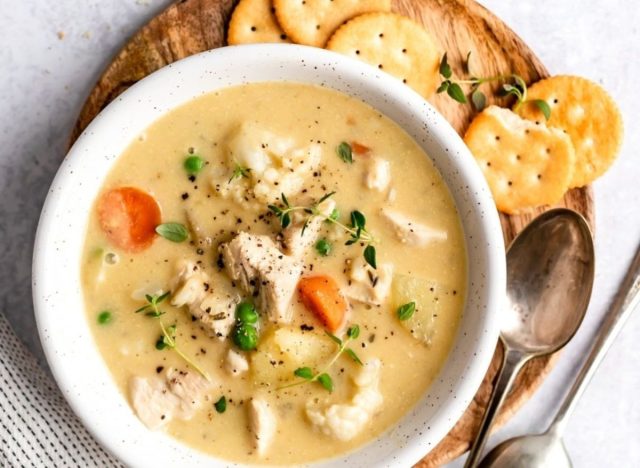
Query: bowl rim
x=355, y=71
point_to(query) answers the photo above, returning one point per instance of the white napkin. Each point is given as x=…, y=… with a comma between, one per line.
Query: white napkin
x=37, y=427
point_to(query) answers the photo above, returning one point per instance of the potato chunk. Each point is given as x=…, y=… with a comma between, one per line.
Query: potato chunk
x=280, y=353
x=432, y=300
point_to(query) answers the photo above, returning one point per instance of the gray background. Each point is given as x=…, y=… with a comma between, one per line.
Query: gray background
x=45, y=78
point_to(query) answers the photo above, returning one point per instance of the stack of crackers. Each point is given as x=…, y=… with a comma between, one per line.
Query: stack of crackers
x=527, y=160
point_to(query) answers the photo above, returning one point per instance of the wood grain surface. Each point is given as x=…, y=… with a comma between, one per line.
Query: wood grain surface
x=460, y=26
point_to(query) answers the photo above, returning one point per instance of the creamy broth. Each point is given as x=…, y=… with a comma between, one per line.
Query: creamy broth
x=307, y=115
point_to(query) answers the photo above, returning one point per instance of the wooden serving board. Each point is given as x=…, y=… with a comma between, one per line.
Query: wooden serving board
x=460, y=26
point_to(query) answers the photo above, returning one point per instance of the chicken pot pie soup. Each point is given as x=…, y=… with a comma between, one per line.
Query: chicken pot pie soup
x=274, y=273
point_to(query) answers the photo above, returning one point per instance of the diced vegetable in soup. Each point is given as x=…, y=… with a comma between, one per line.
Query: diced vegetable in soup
x=274, y=273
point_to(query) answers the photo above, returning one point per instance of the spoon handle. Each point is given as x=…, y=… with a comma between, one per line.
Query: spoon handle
x=511, y=364
x=625, y=301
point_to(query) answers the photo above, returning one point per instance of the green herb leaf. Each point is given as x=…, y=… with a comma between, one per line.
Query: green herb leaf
x=353, y=332
x=323, y=247
x=335, y=214
x=358, y=220
x=405, y=312
x=344, y=152
x=284, y=200
x=445, y=69
x=352, y=354
x=285, y=220
x=193, y=164
x=337, y=340
x=304, y=372
x=175, y=232
x=324, y=197
x=274, y=209
x=160, y=344
x=154, y=313
x=479, y=100
x=455, y=92
x=370, y=255
x=239, y=171
x=443, y=86
x=520, y=83
x=467, y=63
x=221, y=405
x=104, y=317
x=326, y=381
x=543, y=106
x=144, y=307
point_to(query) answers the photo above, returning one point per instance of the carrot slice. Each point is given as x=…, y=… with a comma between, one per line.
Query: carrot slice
x=321, y=295
x=359, y=148
x=129, y=217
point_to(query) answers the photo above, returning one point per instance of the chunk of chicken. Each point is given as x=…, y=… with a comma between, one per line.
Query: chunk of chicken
x=263, y=271
x=235, y=363
x=344, y=421
x=296, y=239
x=369, y=285
x=177, y=394
x=214, y=308
x=276, y=165
x=262, y=423
x=378, y=175
x=411, y=232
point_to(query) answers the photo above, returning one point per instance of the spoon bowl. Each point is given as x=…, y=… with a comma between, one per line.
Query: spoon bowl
x=550, y=269
x=537, y=451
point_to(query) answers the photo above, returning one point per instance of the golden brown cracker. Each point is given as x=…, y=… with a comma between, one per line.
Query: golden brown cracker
x=311, y=22
x=589, y=116
x=254, y=21
x=393, y=43
x=526, y=164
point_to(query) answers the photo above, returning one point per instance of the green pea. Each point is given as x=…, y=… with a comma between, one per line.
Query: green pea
x=104, y=317
x=245, y=336
x=221, y=405
x=246, y=313
x=323, y=247
x=193, y=164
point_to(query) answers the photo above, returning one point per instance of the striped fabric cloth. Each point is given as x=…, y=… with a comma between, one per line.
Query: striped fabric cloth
x=37, y=427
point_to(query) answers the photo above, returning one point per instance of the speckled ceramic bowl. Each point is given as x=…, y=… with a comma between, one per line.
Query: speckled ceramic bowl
x=74, y=359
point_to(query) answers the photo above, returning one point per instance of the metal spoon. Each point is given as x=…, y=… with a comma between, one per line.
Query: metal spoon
x=547, y=449
x=549, y=278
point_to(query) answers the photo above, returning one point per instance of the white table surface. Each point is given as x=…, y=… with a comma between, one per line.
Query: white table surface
x=51, y=53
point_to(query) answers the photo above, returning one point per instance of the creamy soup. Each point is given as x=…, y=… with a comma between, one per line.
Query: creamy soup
x=274, y=273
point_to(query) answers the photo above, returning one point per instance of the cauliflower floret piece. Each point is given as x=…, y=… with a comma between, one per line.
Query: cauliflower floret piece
x=273, y=162
x=344, y=421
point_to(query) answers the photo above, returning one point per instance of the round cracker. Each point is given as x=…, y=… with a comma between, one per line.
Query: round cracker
x=254, y=21
x=585, y=111
x=526, y=164
x=394, y=44
x=312, y=22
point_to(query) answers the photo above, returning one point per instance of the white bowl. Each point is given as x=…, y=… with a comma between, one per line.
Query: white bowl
x=60, y=312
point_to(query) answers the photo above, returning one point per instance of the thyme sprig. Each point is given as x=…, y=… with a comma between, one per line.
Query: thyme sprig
x=168, y=337
x=239, y=171
x=322, y=377
x=357, y=230
x=512, y=85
